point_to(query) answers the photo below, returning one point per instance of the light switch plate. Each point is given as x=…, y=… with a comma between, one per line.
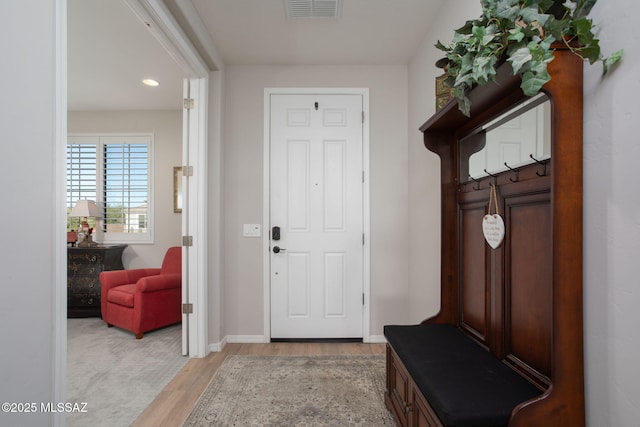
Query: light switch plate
x=251, y=230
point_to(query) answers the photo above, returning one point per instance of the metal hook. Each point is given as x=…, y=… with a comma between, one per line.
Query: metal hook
x=477, y=182
x=544, y=166
x=514, y=171
x=495, y=177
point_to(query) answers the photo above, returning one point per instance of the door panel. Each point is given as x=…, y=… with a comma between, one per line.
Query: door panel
x=317, y=201
x=298, y=289
x=298, y=185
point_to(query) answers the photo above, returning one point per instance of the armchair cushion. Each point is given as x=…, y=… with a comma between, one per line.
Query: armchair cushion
x=122, y=295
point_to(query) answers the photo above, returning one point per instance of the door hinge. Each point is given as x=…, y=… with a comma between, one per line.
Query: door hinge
x=187, y=308
x=187, y=240
x=363, y=298
x=188, y=103
x=363, y=239
x=363, y=176
x=187, y=170
x=363, y=117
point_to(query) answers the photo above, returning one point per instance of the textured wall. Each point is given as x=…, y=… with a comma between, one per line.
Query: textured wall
x=612, y=222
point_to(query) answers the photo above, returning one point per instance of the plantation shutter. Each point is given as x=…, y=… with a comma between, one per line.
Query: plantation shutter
x=126, y=183
x=82, y=173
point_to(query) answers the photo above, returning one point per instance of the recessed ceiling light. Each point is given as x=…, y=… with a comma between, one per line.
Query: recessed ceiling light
x=150, y=82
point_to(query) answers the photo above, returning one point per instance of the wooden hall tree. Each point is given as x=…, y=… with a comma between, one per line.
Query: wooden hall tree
x=543, y=340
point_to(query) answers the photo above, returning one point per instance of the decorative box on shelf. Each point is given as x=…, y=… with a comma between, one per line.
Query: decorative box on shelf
x=84, y=266
x=443, y=92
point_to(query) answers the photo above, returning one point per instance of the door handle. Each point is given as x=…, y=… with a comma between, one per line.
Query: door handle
x=278, y=249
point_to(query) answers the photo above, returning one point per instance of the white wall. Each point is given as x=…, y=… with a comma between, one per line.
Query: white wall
x=32, y=226
x=611, y=205
x=424, y=166
x=215, y=208
x=612, y=222
x=166, y=127
x=243, y=157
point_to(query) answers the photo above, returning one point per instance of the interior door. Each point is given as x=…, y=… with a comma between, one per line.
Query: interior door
x=184, y=189
x=316, y=213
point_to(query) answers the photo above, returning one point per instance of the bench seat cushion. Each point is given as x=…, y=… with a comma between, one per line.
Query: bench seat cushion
x=464, y=383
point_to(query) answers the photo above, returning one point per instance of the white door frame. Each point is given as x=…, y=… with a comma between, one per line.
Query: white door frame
x=59, y=303
x=169, y=34
x=266, y=221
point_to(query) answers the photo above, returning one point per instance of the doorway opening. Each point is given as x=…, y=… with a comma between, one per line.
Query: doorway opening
x=193, y=153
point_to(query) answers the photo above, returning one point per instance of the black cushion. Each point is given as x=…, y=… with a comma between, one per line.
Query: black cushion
x=465, y=384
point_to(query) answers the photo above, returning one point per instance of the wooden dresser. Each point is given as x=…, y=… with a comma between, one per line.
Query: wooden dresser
x=84, y=265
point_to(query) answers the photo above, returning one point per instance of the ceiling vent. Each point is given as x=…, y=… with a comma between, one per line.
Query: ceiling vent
x=297, y=9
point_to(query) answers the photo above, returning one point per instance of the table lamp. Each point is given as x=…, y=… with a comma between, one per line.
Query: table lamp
x=85, y=209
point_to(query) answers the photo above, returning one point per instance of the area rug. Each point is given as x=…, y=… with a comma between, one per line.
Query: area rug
x=295, y=391
x=116, y=375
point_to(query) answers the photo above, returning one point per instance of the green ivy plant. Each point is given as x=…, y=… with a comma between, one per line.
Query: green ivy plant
x=522, y=31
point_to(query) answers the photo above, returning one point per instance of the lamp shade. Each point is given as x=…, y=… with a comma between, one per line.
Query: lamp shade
x=86, y=208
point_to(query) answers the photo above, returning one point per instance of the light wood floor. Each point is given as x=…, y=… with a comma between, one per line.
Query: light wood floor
x=173, y=405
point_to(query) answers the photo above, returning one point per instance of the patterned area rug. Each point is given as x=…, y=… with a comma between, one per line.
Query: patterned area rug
x=117, y=375
x=295, y=391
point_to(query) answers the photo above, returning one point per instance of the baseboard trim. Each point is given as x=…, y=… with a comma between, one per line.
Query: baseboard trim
x=377, y=339
x=246, y=339
x=218, y=346
x=259, y=339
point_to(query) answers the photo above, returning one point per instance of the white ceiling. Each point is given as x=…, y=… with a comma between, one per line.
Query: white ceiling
x=110, y=51
x=368, y=32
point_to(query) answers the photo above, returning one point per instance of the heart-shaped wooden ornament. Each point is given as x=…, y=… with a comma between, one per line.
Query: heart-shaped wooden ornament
x=493, y=229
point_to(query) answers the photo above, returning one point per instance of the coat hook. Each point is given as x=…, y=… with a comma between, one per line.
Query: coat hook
x=495, y=177
x=316, y=105
x=544, y=166
x=477, y=182
x=514, y=171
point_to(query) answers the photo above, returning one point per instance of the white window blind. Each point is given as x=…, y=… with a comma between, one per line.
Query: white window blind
x=115, y=171
x=81, y=171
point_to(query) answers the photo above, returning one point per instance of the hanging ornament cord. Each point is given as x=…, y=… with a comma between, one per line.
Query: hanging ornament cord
x=493, y=197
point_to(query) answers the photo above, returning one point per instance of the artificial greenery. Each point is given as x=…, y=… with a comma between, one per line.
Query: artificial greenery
x=522, y=31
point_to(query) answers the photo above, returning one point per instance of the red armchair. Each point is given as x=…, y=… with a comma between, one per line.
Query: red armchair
x=143, y=299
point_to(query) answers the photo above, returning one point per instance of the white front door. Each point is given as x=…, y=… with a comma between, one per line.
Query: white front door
x=317, y=203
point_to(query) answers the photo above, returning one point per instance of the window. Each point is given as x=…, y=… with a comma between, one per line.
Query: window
x=115, y=171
